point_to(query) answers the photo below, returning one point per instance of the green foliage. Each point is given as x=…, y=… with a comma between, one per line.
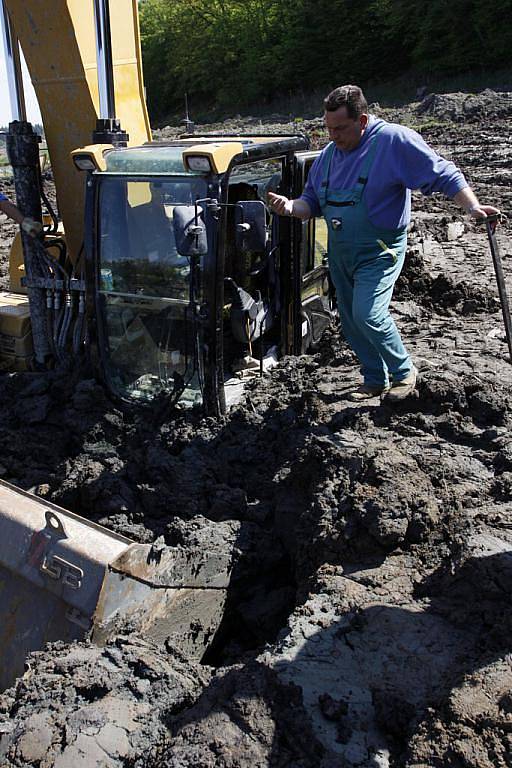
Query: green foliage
x=234, y=53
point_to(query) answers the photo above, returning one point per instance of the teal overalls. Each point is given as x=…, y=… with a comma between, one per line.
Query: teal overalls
x=365, y=262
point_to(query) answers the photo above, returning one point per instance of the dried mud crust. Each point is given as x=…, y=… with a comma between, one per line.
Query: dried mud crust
x=85, y=707
x=95, y=706
x=369, y=622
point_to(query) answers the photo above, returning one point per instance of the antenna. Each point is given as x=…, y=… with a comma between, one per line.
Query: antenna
x=187, y=122
x=108, y=127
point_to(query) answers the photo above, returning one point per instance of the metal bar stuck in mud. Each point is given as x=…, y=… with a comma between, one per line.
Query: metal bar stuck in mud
x=491, y=223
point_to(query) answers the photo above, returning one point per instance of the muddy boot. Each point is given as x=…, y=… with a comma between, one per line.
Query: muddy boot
x=367, y=392
x=402, y=389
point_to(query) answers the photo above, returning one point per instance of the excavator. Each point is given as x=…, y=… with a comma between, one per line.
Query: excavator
x=164, y=267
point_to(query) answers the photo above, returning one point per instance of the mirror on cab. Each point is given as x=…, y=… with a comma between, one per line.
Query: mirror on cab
x=250, y=225
x=190, y=230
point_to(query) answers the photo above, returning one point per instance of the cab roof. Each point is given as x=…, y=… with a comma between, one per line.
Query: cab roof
x=222, y=150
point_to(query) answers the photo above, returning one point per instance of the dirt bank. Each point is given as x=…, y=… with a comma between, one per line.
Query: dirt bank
x=369, y=623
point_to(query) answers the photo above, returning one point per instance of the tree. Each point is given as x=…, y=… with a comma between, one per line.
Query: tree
x=231, y=54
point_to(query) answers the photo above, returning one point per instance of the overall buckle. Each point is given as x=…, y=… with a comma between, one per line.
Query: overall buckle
x=336, y=223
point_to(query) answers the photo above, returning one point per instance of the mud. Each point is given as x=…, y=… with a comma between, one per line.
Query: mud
x=369, y=620
x=95, y=706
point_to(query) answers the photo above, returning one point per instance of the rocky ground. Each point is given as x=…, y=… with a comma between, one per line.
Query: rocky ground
x=370, y=624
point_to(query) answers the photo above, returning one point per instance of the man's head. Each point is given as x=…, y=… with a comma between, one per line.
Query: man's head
x=346, y=116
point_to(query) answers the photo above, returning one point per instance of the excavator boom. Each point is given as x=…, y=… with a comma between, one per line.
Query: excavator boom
x=58, y=40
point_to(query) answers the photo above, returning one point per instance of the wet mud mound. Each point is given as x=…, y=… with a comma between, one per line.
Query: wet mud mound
x=80, y=705
x=481, y=703
x=464, y=107
x=350, y=509
x=368, y=621
x=442, y=293
x=86, y=707
x=247, y=716
x=473, y=725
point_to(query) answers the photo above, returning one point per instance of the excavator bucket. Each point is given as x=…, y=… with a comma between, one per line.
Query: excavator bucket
x=65, y=578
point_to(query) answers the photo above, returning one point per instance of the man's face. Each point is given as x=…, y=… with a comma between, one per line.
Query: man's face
x=343, y=130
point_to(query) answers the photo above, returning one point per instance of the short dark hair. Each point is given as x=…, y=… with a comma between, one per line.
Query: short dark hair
x=349, y=96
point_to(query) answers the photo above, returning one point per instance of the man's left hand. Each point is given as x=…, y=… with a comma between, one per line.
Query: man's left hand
x=483, y=211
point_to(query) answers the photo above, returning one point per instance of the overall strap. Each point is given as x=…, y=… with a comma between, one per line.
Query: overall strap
x=367, y=164
x=326, y=168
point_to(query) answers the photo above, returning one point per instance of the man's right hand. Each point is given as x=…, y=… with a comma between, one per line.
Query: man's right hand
x=280, y=204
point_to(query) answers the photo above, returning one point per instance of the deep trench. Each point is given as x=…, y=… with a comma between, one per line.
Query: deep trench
x=236, y=637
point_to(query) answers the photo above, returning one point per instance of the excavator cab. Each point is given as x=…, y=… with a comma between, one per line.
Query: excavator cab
x=193, y=283
x=172, y=274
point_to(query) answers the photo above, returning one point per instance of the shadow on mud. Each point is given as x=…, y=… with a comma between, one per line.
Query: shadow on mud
x=355, y=692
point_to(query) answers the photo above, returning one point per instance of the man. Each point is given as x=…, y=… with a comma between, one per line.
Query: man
x=361, y=183
x=31, y=227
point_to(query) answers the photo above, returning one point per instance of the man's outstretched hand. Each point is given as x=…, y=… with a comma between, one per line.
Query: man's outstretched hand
x=280, y=204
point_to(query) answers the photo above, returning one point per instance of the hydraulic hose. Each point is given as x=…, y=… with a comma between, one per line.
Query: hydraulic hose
x=66, y=322
x=79, y=324
x=58, y=315
x=49, y=318
x=55, y=222
x=62, y=316
x=77, y=335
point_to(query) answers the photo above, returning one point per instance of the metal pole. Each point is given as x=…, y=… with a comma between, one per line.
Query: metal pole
x=104, y=60
x=491, y=222
x=187, y=122
x=108, y=128
x=13, y=66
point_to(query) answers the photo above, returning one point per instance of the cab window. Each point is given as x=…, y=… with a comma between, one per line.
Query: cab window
x=315, y=254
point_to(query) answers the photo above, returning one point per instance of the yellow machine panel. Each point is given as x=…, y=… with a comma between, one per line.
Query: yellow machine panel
x=17, y=264
x=16, y=350
x=16, y=267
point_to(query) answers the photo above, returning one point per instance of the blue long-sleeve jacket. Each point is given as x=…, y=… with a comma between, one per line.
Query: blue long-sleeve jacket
x=403, y=162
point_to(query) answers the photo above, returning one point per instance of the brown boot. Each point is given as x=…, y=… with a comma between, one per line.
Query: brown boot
x=367, y=392
x=402, y=389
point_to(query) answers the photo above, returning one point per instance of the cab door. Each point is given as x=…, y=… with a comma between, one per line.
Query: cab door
x=315, y=305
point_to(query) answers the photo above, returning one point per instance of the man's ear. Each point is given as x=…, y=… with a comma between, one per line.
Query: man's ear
x=363, y=121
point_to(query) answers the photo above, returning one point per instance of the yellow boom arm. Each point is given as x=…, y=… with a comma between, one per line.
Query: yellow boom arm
x=59, y=45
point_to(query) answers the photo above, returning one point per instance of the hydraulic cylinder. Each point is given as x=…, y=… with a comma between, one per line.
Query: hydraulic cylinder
x=23, y=154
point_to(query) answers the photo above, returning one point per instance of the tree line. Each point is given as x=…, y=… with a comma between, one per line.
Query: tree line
x=231, y=54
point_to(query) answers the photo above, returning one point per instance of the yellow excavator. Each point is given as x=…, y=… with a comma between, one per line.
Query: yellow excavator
x=166, y=269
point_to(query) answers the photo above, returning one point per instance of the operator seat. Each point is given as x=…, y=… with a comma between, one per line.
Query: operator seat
x=151, y=231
